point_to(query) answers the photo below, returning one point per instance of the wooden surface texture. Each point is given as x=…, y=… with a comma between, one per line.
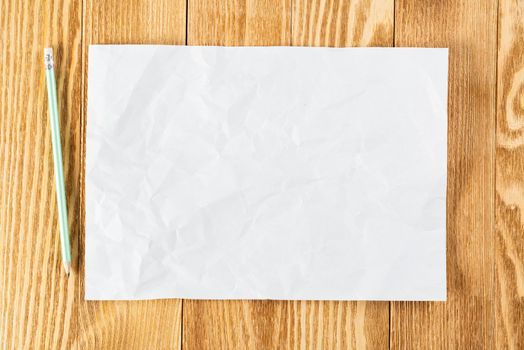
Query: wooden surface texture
x=469, y=29
x=41, y=309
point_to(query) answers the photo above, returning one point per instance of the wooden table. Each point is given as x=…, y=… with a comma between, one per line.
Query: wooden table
x=41, y=308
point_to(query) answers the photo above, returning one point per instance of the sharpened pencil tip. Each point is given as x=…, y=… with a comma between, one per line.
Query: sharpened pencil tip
x=67, y=268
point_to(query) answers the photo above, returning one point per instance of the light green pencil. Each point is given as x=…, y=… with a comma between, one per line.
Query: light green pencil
x=57, y=156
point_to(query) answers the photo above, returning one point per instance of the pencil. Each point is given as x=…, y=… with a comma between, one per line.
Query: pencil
x=57, y=157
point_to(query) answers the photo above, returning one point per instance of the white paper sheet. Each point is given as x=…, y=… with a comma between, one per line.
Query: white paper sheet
x=266, y=173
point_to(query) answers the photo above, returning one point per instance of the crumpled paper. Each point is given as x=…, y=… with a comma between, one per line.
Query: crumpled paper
x=266, y=173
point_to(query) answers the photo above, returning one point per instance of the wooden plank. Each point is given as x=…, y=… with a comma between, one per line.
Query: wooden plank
x=469, y=29
x=235, y=324
x=239, y=22
x=509, y=212
x=36, y=299
x=152, y=324
x=341, y=23
x=285, y=324
x=347, y=23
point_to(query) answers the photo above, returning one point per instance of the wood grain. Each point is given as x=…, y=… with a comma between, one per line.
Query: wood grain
x=152, y=324
x=236, y=324
x=466, y=320
x=286, y=324
x=509, y=212
x=338, y=24
x=37, y=300
x=239, y=22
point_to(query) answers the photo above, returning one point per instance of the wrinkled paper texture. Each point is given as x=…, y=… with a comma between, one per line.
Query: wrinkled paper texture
x=266, y=173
